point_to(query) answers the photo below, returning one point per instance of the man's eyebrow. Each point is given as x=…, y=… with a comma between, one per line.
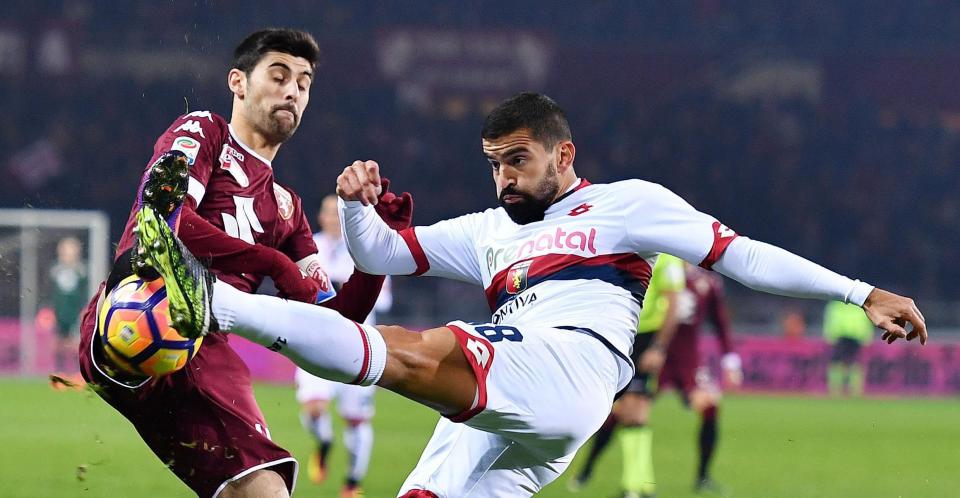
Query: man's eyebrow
x=307, y=73
x=509, y=152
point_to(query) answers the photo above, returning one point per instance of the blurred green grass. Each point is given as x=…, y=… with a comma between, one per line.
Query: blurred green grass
x=72, y=444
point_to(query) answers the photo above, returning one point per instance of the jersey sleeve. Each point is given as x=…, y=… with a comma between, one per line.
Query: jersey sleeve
x=659, y=221
x=447, y=248
x=198, y=135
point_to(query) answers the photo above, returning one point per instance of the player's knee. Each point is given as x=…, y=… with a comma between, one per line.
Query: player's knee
x=259, y=483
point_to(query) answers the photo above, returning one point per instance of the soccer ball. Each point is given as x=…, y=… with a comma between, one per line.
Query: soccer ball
x=134, y=324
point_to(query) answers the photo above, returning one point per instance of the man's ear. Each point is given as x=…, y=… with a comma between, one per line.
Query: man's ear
x=237, y=82
x=567, y=154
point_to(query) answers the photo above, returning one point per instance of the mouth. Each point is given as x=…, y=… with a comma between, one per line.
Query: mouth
x=286, y=113
x=512, y=199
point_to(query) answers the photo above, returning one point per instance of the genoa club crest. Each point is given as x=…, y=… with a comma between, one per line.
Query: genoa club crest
x=517, y=277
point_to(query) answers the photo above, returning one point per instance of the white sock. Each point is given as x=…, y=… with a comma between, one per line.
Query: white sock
x=321, y=428
x=317, y=339
x=359, y=442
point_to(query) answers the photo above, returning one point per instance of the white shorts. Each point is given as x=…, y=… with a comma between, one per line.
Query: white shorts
x=353, y=402
x=543, y=392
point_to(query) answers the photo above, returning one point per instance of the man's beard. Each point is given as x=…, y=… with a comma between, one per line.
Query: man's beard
x=277, y=131
x=534, y=206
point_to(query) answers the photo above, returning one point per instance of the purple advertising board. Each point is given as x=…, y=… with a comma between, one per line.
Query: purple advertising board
x=771, y=364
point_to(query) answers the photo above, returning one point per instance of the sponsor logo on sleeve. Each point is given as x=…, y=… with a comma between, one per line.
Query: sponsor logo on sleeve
x=284, y=201
x=230, y=160
x=191, y=126
x=188, y=146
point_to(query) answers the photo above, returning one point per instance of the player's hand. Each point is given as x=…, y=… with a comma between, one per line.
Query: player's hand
x=396, y=211
x=360, y=182
x=651, y=361
x=892, y=313
x=292, y=283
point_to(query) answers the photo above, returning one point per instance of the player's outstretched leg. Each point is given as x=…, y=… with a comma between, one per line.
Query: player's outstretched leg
x=188, y=282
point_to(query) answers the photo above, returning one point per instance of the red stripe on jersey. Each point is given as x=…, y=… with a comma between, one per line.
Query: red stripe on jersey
x=722, y=237
x=473, y=348
x=410, y=237
x=583, y=183
x=366, y=355
x=419, y=493
x=547, y=264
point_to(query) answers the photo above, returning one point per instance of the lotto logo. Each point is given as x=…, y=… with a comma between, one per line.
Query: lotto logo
x=480, y=352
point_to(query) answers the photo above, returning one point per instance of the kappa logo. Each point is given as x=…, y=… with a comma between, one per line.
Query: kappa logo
x=577, y=211
x=517, y=277
x=191, y=126
x=188, y=146
x=200, y=114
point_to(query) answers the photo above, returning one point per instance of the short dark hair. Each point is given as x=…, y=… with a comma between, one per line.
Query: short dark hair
x=533, y=111
x=288, y=41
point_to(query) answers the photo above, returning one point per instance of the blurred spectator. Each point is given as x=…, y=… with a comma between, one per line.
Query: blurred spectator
x=69, y=278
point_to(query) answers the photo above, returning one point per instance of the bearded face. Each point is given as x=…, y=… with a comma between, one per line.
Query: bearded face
x=528, y=207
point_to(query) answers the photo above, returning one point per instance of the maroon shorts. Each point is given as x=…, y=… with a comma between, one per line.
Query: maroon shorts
x=202, y=421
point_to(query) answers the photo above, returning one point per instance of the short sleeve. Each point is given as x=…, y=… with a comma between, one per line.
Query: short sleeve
x=447, y=248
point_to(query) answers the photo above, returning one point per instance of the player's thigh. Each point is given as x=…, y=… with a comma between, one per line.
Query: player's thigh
x=257, y=484
x=547, y=389
x=355, y=403
x=428, y=367
x=460, y=461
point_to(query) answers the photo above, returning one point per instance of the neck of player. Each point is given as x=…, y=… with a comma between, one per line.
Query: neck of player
x=253, y=139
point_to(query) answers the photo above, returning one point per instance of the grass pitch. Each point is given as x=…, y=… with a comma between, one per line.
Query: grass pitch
x=72, y=444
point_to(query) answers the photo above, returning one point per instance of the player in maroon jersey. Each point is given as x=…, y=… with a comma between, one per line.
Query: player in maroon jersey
x=701, y=301
x=203, y=421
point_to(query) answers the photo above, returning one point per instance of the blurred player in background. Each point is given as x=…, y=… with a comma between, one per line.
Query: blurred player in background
x=354, y=403
x=69, y=277
x=656, y=326
x=847, y=331
x=203, y=421
x=564, y=264
x=701, y=301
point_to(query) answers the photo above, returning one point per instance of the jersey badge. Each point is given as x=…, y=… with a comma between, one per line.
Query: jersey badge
x=517, y=277
x=284, y=201
x=188, y=146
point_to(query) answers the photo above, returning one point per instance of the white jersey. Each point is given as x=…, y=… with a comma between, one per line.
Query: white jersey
x=336, y=261
x=587, y=264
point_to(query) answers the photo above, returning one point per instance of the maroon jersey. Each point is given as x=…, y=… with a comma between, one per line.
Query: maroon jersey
x=232, y=189
x=702, y=300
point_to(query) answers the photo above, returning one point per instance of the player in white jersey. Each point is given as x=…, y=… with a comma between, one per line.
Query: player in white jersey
x=354, y=403
x=564, y=264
